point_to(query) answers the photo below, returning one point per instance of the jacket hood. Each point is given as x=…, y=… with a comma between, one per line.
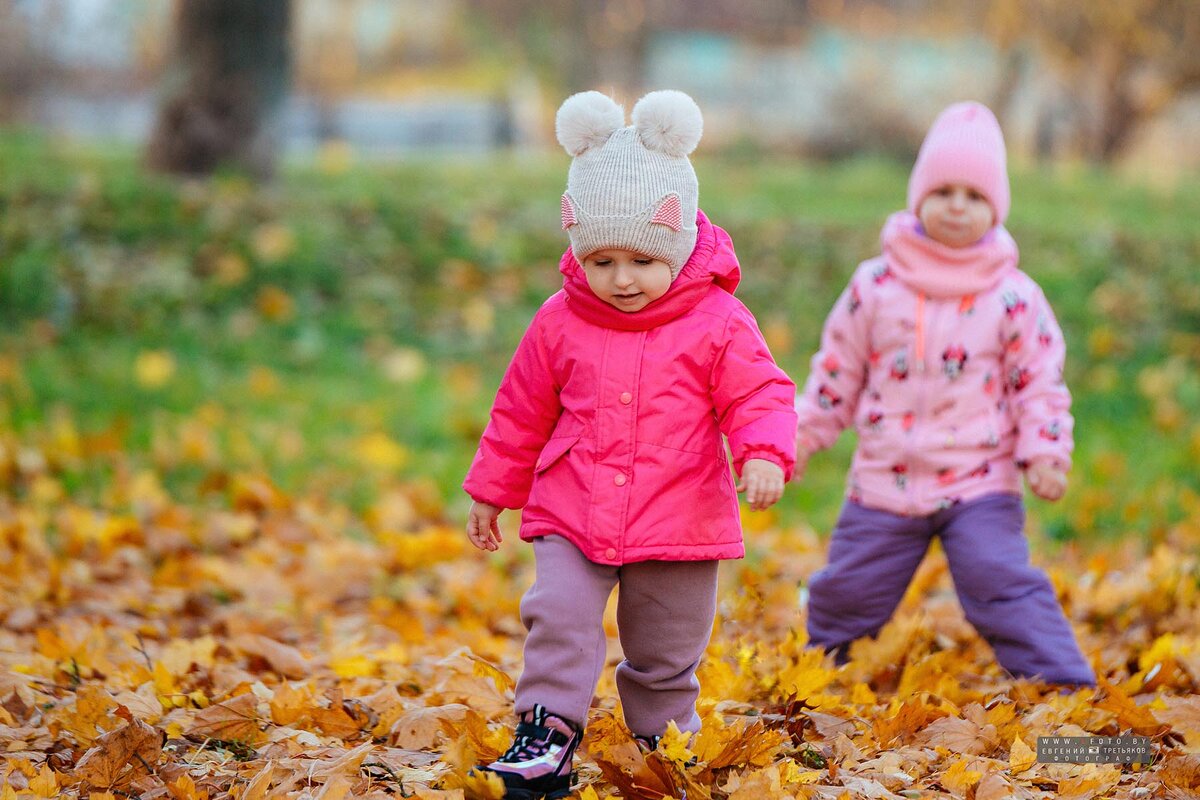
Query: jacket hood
x=713, y=262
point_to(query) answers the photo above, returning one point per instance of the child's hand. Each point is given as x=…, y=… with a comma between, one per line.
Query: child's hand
x=483, y=529
x=1046, y=480
x=762, y=481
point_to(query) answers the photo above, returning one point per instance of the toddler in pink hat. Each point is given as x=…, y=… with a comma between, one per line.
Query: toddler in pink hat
x=948, y=361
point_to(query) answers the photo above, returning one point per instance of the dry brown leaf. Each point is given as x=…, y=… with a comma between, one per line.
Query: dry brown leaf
x=143, y=703
x=957, y=735
x=1181, y=713
x=235, y=720
x=993, y=787
x=291, y=704
x=135, y=744
x=624, y=765
x=334, y=789
x=1130, y=715
x=738, y=745
x=1181, y=771
x=258, y=786
x=1093, y=779
x=910, y=717
x=960, y=777
x=346, y=764
x=284, y=659
x=334, y=721
x=1020, y=756
x=419, y=728
x=90, y=715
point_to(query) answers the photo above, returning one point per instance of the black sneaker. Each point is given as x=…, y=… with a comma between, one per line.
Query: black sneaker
x=648, y=743
x=538, y=765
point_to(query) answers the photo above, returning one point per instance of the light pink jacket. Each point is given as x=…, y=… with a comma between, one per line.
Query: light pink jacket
x=948, y=362
x=607, y=425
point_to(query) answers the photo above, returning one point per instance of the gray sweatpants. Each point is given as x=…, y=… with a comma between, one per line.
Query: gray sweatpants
x=665, y=612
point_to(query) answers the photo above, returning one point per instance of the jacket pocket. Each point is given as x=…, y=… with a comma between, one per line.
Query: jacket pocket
x=554, y=450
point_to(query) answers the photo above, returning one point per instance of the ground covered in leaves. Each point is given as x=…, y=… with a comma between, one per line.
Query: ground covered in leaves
x=245, y=646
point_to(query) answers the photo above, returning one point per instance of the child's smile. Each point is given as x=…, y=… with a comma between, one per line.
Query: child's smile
x=625, y=279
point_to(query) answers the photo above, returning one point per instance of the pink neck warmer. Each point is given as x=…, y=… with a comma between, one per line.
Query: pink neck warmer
x=937, y=270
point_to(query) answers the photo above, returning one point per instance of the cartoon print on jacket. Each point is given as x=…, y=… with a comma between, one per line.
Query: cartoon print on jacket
x=1011, y=348
x=953, y=359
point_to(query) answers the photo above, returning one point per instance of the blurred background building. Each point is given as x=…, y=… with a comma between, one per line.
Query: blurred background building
x=1110, y=82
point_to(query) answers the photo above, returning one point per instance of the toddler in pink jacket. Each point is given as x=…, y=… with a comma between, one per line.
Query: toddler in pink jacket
x=607, y=432
x=948, y=362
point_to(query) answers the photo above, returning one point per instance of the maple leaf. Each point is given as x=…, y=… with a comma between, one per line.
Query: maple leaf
x=290, y=703
x=1181, y=713
x=235, y=720
x=1092, y=780
x=485, y=742
x=902, y=720
x=1130, y=715
x=740, y=744
x=45, y=784
x=1182, y=771
x=184, y=788
x=623, y=764
x=484, y=668
x=1020, y=756
x=807, y=677
x=419, y=728
x=135, y=745
x=993, y=786
x=334, y=721
x=92, y=707
x=674, y=745
x=959, y=777
x=958, y=735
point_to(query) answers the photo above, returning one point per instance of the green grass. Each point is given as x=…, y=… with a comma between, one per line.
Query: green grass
x=449, y=258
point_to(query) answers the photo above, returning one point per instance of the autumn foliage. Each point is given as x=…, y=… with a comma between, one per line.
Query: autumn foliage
x=247, y=648
x=232, y=564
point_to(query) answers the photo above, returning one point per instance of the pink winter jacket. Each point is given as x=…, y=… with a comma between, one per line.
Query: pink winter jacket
x=607, y=425
x=948, y=362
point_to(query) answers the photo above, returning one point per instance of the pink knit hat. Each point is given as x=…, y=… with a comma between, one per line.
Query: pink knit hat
x=964, y=145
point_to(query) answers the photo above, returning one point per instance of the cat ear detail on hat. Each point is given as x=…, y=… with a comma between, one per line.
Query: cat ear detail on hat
x=669, y=122
x=669, y=213
x=587, y=120
x=568, y=212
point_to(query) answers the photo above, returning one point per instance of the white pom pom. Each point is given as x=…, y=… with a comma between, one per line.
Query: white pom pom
x=669, y=122
x=586, y=120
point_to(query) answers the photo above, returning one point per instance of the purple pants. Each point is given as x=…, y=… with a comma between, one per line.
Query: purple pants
x=665, y=612
x=873, y=555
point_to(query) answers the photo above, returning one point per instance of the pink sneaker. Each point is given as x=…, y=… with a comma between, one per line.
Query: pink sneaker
x=538, y=765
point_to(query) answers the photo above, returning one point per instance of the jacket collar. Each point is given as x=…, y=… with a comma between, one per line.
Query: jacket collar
x=713, y=261
x=936, y=270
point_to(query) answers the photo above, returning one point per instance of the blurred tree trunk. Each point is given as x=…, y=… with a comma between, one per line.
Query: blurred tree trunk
x=230, y=74
x=22, y=68
x=1126, y=61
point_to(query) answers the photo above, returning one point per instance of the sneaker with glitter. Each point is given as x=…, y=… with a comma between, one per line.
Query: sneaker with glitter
x=538, y=765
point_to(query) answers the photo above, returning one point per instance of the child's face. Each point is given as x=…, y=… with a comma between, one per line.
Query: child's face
x=956, y=215
x=625, y=279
